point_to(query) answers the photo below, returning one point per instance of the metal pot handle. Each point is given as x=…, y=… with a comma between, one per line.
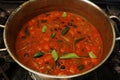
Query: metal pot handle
x=115, y=19
x=2, y=49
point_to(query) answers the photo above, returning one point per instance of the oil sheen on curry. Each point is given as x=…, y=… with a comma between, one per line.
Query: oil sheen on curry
x=59, y=43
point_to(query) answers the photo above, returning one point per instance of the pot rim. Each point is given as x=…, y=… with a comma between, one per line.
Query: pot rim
x=56, y=76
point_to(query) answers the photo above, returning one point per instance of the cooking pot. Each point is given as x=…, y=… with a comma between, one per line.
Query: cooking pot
x=85, y=8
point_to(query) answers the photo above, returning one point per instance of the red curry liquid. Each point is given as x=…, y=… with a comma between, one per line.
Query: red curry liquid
x=59, y=43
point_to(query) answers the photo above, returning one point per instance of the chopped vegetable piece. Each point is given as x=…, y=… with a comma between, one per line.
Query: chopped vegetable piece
x=44, y=21
x=79, y=39
x=65, y=38
x=57, y=64
x=51, y=49
x=65, y=30
x=92, y=55
x=53, y=35
x=64, y=14
x=59, y=41
x=62, y=67
x=80, y=67
x=44, y=28
x=38, y=23
x=54, y=55
x=26, y=32
x=69, y=55
x=26, y=55
x=38, y=54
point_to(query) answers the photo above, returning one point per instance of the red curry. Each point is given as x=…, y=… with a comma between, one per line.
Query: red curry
x=59, y=43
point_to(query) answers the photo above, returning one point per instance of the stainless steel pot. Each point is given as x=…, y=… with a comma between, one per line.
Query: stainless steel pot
x=84, y=8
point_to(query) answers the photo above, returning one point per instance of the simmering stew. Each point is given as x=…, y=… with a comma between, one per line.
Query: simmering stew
x=59, y=43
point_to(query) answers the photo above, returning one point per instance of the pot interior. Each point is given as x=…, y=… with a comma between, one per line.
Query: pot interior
x=33, y=8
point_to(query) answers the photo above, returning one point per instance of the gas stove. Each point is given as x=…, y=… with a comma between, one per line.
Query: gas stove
x=110, y=70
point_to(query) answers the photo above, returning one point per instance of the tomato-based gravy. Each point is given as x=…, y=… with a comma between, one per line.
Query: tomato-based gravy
x=59, y=43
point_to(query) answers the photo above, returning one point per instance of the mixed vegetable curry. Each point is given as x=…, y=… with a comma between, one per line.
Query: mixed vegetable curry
x=59, y=43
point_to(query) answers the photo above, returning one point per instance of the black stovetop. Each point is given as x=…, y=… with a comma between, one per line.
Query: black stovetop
x=110, y=70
